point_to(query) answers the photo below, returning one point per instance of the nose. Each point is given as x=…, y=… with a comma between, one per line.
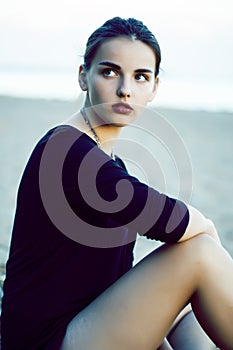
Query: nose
x=124, y=89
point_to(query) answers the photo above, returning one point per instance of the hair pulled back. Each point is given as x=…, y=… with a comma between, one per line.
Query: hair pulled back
x=117, y=27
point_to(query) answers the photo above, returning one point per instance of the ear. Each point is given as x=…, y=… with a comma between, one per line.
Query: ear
x=155, y=88
x=82, y=78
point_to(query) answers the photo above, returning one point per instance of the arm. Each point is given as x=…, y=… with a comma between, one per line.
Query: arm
x=198, y=224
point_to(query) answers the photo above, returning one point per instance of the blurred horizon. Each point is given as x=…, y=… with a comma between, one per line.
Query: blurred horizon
x=63, y=85
x=41, y=47
x=42, y=44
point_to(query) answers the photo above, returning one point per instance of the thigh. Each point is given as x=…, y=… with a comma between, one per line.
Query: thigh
x=137, y=311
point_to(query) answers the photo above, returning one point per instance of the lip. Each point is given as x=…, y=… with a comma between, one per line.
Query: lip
x=122, y=108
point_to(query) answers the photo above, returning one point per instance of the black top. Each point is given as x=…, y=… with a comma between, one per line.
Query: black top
x=78, y=212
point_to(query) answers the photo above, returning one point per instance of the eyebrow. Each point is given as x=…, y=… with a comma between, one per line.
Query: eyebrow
x=115, y=66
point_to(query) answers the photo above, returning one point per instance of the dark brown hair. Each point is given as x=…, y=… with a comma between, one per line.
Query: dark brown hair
x=117, y=27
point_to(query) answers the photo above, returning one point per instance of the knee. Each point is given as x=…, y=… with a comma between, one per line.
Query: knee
x=202, y=242
x=203, y=249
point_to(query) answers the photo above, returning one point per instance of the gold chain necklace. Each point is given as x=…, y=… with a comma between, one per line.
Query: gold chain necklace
x=96, y=138
x=87, y=121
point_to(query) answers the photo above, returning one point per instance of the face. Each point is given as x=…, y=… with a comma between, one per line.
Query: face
x=121, y=80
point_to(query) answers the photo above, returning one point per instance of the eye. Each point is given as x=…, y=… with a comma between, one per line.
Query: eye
x=109, y=72
x=142, y=77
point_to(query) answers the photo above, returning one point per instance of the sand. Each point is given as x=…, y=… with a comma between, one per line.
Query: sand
x=206, y=136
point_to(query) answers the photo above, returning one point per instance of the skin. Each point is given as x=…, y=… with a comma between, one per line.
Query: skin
x=138, y=310
x=107, y=85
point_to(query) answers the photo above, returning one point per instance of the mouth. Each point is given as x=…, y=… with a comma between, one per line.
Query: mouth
x=122, y=108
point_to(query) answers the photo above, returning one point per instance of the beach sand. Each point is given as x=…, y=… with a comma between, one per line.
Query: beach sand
x=207, y=137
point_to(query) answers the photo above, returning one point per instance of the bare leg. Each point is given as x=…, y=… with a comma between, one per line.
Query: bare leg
x=188, y=334
x=138, y=310
x=165, y=345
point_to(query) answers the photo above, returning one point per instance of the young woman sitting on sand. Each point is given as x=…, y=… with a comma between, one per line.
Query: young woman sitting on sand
x=69, y=281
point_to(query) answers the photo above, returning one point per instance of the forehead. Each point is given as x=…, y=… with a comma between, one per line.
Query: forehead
x=127, y=53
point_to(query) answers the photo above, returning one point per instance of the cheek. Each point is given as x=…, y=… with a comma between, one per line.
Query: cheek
x=148, y=94
x=143, y=96
x=98, y=89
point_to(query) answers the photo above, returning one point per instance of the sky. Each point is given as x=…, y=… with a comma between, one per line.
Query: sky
x=196, y=36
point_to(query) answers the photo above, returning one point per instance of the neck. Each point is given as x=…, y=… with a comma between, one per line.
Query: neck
x=104, y=135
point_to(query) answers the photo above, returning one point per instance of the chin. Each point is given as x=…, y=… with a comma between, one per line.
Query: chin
x=120, y=124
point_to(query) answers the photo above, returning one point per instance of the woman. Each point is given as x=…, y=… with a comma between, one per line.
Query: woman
x=70, y=282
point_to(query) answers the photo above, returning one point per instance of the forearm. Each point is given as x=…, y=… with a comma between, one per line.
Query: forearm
x=199, y=224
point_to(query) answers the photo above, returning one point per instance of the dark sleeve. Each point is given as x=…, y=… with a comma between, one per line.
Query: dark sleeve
x=151, y=213
x=102, y=192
